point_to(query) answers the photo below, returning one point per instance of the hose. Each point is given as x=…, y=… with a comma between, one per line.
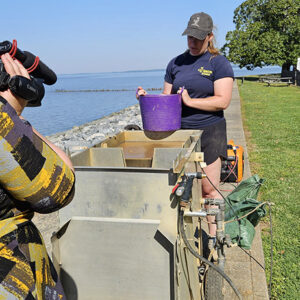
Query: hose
x=203, y=259
x=246, y=215
x=271, y=248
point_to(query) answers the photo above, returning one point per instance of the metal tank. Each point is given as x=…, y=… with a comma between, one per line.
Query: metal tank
x=119, y=237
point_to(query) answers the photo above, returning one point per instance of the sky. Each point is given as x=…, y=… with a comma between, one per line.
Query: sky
x=83, y=36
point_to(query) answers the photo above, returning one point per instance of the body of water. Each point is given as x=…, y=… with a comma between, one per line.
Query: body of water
x=80, y=98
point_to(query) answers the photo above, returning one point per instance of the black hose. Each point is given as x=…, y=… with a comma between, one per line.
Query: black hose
x=217, y=269
x=252, y=257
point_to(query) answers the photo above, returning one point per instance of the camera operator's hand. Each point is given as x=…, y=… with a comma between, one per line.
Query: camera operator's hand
x=13, y=68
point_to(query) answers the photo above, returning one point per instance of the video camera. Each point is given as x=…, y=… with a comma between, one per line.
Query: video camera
x=31, y=89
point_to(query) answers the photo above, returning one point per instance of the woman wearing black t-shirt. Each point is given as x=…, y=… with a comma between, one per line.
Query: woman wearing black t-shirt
x=208, y=78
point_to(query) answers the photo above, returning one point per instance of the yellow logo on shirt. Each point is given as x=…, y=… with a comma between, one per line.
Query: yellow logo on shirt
x=205, y=72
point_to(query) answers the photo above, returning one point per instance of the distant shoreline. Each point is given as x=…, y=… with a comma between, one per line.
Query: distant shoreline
x=257, y=70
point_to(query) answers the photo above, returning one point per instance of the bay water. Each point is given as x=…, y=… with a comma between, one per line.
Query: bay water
x=76, y=99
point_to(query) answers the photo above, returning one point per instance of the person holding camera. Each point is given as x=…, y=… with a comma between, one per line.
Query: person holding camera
x=208, y=79
x=35, y=176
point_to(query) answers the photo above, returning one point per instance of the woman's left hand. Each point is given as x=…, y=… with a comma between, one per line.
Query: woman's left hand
x=14, y=68
x=186, y=99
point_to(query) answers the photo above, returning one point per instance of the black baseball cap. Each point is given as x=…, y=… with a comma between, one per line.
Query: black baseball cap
x=199, y=26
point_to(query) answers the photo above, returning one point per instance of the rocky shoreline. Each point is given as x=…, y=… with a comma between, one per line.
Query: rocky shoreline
x=78, y=138
x=94, y=132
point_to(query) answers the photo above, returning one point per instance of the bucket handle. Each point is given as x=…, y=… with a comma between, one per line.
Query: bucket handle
x=182, y=89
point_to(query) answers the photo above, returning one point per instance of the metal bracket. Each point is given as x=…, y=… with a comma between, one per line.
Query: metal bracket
x=197, y=157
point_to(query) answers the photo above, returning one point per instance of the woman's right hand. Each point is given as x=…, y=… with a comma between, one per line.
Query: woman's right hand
x=140, y=92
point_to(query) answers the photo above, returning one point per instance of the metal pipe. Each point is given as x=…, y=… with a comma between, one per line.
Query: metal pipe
x=220, y=234
x=212, y=201
x=198, y=214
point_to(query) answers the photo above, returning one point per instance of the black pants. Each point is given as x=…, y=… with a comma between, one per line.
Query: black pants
x=213, y=141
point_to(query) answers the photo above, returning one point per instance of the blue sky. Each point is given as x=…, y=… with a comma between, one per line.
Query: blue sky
x=108, y=35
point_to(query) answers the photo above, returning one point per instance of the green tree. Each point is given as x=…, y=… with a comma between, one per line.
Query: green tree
x=267, y=33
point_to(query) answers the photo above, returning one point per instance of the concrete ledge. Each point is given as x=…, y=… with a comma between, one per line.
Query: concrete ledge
x=245, y=272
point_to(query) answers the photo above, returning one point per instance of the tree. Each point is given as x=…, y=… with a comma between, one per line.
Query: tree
x=267, y=33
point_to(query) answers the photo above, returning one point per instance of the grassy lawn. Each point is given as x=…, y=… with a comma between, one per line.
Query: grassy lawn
x=271, y=117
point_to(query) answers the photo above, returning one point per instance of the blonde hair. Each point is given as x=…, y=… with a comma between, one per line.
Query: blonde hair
x=211, y=47
x=212, y=50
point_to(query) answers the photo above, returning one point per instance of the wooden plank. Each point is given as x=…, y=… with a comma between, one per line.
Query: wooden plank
x=183, y=157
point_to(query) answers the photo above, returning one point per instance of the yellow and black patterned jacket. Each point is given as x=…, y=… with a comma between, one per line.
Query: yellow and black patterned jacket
x=33, y=178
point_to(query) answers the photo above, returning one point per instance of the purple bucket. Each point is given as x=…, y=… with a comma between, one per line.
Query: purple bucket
x=161, y=112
